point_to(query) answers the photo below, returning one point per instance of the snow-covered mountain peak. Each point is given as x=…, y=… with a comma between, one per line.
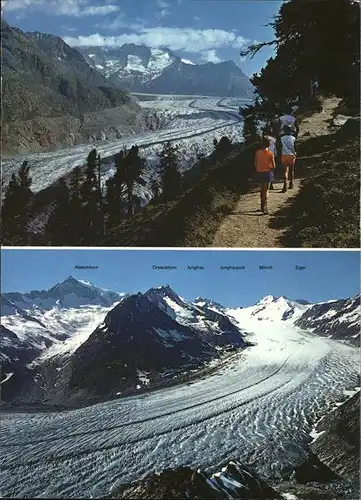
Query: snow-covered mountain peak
x=204, y=302
x=70, y=293
x=167, y=300
x=71, y=286
x=269, y=299
x=269, y=308
x=164, y=291
x=133, y=303
x=71, y=283
x=86, y=282
x=138, y=68
x=277, y=308
x=272, y=299
x=162, y=287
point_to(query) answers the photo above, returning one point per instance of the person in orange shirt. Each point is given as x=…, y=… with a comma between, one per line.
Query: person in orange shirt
x=269, y=132
x=265, y=164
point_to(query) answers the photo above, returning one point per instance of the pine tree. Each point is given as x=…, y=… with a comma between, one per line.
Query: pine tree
x=112, y=204
x=250, y=132
x=75, y=183
x=59, y=222
x=75, y=223
x=224, y=146
x=317, y=45
x=202, y=161
x=114, y=198
x=24, y=178
x=155, y=188
x=120, y=196
x=100, y=211
x=133, y=169
x=90, y=199
x=171, y=177
x=15, y=207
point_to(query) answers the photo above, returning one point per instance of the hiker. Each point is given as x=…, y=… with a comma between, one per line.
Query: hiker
x=288, y=120
x=288, y=157
x=269, y=132
x=265, y=165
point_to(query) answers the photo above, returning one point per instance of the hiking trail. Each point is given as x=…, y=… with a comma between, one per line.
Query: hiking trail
x=246, y=226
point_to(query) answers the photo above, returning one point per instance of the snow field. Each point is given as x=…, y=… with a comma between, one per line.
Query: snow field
x=74, y=323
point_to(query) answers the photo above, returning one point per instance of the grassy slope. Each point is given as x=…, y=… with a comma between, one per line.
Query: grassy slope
x=326, y=211
x=193, y=218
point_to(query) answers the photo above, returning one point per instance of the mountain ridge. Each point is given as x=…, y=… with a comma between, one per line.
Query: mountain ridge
x=51, y=96
x=86, y=293
x=140, y=68
x=78, y=342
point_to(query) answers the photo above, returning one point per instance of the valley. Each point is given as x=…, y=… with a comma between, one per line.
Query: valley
x=190, y=122
x=251, y=411
x=259, y=407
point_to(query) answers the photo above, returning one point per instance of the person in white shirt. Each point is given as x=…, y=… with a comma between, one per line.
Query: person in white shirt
x=288, y=158
x=288, y=120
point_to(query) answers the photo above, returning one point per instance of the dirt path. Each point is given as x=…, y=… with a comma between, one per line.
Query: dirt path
x=246, y=226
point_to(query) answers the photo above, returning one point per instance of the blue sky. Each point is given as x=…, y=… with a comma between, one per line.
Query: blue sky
x=328, y=275
x=199, y=30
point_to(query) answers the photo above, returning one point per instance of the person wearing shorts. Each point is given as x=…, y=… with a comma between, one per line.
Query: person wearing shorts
x=288, y=158
x=265, y=165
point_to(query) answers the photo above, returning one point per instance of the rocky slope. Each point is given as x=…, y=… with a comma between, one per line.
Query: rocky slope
x=136, y=341
x=160, y=71
x=338, y=445
x=339, y=319
x=149, y=337
x=52, y=97
x=235, y=480
x=211, y=324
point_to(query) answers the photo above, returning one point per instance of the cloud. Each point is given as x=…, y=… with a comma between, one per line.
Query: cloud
x=120, y=22
x=116, y=23
x=162, y=14
x=211, y=56
x=11, y=5
x=187, y=39
x=164, y=6
x=99, y=10
x=68, y=28
x=71, y=8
